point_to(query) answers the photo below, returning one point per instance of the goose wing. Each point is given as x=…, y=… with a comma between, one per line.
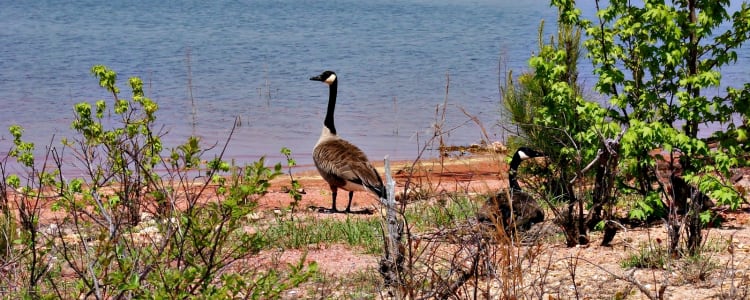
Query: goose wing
x=343, y=162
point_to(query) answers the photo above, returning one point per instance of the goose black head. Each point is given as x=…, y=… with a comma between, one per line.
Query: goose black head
x=525, y=153
x=328, y=77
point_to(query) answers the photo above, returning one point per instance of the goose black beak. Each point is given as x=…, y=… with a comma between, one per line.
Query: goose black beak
x=316, y=78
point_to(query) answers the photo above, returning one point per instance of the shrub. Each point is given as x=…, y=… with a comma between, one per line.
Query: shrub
x=128, y=230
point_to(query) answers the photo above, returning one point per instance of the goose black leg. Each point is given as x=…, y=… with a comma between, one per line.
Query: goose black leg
x=334, y=192
x=349, y=206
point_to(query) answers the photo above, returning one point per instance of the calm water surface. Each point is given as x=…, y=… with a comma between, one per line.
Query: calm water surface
x=252, y=60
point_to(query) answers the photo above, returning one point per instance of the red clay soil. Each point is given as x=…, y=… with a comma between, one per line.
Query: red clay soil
x=476, y=174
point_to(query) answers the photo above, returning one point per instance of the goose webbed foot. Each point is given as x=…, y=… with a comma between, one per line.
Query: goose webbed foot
x=323, y=210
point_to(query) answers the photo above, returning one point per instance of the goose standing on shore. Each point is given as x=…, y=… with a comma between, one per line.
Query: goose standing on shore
x=339, y=162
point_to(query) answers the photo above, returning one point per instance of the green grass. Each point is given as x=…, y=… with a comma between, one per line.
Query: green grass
x=695, y=267
x=445, y=213
x=357, y=232
x=363, y=232
x=367, y=282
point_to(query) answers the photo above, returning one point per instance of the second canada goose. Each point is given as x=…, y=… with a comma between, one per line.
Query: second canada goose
x=339, y=162
x=525, y=210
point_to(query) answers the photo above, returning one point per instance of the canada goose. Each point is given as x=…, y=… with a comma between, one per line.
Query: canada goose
x=679, y=192
x=684, y=195
x=339, y=162
x=526, y=212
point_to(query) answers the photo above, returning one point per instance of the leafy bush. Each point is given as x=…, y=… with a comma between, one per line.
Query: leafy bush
x=658, y=63
x=130, y=231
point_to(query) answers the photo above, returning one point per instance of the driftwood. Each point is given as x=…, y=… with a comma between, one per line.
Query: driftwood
x=392, y=263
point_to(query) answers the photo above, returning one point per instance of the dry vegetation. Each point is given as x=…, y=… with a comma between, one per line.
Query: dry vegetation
x=539, y=267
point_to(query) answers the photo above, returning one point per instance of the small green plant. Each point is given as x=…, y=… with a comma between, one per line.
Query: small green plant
x=7, y=235
x=697, y=268
x=23, y=151
x=647, y=257
x=7, y=221
x=294, y=190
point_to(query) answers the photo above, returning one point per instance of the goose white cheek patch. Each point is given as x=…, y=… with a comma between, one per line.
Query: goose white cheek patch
x=330, y=79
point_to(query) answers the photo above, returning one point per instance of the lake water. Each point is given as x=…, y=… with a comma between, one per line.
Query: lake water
x=253, y=59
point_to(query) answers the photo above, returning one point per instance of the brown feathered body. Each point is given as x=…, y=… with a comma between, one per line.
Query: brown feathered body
x=523, y=213
x=343, y=165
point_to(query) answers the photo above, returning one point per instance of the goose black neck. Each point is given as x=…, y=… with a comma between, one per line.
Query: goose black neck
x=514, y=163
x=328, y=122
x=513, y=182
